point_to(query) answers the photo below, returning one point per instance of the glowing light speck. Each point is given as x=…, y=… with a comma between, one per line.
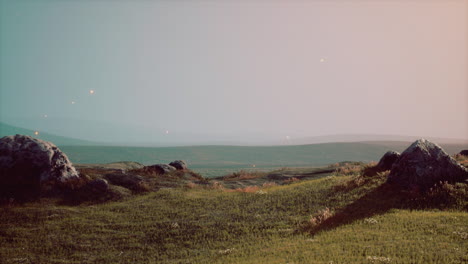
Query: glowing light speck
x=91, y=91
x=167, y=132
x=322, y=60
x=73, y=102
x=45, y=116
x=36, y=133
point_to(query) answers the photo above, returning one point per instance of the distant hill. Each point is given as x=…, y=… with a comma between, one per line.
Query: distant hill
x=244, y=156
x=370, y=138
x=8, y=130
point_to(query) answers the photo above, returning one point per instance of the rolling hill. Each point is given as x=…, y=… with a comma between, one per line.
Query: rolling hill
x=216, y=160
x=8, y=130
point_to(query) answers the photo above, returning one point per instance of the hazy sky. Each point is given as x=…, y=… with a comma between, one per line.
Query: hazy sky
x=242, y=68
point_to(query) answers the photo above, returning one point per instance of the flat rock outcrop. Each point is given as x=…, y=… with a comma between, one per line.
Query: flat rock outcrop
x=129, y=181
x=387, y=161
x=424, y=164
x=160, y=168
x=179, y=164
x=34, y=164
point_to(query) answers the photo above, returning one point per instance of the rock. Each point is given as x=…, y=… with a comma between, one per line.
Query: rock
x=129, y=181
x=387, y=161
x=99, y=185
x=160, y=168
x=424, y=164
x=30, y=164
x=179, y=164
x=464, y=152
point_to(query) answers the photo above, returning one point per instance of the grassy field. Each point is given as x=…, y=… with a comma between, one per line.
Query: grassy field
x=343, y=218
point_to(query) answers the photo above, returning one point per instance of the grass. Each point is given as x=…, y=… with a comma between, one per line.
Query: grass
x=358, y=219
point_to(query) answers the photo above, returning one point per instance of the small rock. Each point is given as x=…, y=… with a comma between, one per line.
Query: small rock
x=179, y=164
x=129, y=181
x=99, y=184
x=160, y=168
x=387, y=161
x=424, y=164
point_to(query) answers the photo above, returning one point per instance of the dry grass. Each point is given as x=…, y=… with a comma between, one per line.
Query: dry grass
x=291, y=180
x=359, y=180
x=248, y=189
x=463, y=160
x=349, y=169
x=269, y=184
x=243, y=175
x=319, y=217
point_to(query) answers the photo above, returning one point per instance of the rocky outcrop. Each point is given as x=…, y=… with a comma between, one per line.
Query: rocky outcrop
x=27, y=163
x=179, y=164
x=160, y=168
x=387, y=161
x=424, y=164
x=464, y=152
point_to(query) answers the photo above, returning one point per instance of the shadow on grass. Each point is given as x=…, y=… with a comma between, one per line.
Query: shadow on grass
x=386, y=197
x=378, y=201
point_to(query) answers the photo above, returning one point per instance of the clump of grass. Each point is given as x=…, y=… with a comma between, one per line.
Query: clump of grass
x=462, y=235
x=269, y=184
x=317, y=219
x=444, y=195
x=462, y=159
x=247, y=189
x=371, y=221
x=358, y=180
x=375, y=259
x=191, y=185
x=216, y=185
x=349, y=169
x=226, y=251
x=321, y=217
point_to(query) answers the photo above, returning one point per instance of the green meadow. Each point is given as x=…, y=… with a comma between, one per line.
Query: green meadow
x=341, y=218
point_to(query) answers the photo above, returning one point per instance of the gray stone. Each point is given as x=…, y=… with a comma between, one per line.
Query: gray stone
x=99, y=185
x=179, y=164
x=129, y=181
x=33, y=163
x=424, y=164
x=160, y=168
x=387, y=161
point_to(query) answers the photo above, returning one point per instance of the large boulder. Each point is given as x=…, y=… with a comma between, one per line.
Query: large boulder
x=179, y=164
x=29, y=164
x=424, y=164
x=464, y=152
x=160, y=168
x=387, y=161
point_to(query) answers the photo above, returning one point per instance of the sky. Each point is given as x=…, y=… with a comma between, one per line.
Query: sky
x=234, y=70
